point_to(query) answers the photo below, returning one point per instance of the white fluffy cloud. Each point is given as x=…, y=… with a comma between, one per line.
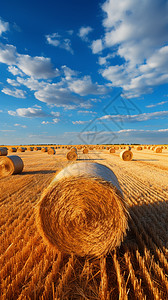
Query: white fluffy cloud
x=4, y=26
x=15, y=71
x=56, y=95
x=157, y=104
x=29, y=112
x=138, y=32
x=20, y=125
x=31, y=83
x=13, y=82
x=84, y=31
x=97, y=46
x=7, y=54
x=55, y=121
x=136, y=118
x=37, y=67
x=79, y=122
x=14, y=93
x=85, y=86
x=56, y=40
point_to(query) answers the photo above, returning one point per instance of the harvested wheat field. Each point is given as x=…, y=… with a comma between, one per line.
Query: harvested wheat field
x=137, y=269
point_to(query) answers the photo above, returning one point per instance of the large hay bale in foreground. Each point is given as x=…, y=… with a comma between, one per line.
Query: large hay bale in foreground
x=3, y=151
x=126, y=155
x=83, y=211
x=10, y=165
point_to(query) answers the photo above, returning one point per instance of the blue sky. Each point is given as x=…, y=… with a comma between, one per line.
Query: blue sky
x=83, y=72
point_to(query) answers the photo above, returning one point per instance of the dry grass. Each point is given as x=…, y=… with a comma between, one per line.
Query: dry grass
x=137, y=270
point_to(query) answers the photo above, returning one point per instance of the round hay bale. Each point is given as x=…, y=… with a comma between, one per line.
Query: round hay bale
x=126, y=155
x=139, y=148
x=158, y=150
x=72, y=155
x=112, y=150
x=44, y=149
x=85, y=151
x=73, y=149
x=10, y=165
x=116, y=148
x=51, y=151
x=21, y=149
x=83, y=211
x=13, y=149
x=128, y=148
x=3, y=151
x=29, y=148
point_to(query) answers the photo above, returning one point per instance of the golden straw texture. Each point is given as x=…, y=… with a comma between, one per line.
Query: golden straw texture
x=10, y=165
x=83, y=215
x=126, y=155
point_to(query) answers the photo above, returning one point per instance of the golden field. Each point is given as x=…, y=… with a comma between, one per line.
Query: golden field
x=29, y=269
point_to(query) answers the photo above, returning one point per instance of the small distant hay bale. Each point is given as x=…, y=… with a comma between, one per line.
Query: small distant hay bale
x=83, y=211
x=153, y=148
x=72, y=155
x=139, y=148
x=21, y=149
x=116, y=147
x=51, y=151
x=128, y=147
x=107, y=148
x=158, y=150
x=13, y=149
x=10, y=165
x=73, y=149
x=126, y=155
x=44, y=149
x=85, y=151
x=112, y=150
x=36, y=148
x=3, y=151
x=29, y=148
x=149, y=147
